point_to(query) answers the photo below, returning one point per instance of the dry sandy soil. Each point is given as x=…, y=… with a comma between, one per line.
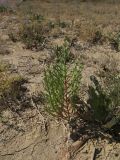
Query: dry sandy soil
x=31, y=134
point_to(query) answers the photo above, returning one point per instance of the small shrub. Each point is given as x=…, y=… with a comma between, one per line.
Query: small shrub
x=98, y=38
x=61, y=86
x=113, y=88
x=36, y=17
x=51, y=24
x=3, y=9
x=115, y=42
x=105, y=101
x=62, y=24
x=98, y=100
x=2, y=68
x=14, y=36
x=10, y=88
x=4, y=49
x=32, y=35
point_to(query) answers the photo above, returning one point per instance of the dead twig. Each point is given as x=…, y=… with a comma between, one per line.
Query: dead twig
x=41, y=118
x=77, y=146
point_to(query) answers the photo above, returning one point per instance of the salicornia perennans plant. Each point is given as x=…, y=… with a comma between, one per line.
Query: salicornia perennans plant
x=62, y=85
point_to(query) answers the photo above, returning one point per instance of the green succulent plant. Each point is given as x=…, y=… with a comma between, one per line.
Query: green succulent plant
x=105, y=101
x=98, y=100
x=62, y=85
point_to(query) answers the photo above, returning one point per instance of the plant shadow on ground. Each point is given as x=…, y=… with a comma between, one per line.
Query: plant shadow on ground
x=81, y=128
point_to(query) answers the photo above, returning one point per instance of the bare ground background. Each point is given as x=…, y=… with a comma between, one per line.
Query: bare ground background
x=29, y=133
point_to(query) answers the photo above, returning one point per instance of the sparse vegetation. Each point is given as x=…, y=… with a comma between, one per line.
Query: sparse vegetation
x=32, y=35
x=63, y=35
x=9, y=88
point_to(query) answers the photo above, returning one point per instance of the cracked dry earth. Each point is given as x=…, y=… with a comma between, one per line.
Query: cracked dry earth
x=31, y=136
